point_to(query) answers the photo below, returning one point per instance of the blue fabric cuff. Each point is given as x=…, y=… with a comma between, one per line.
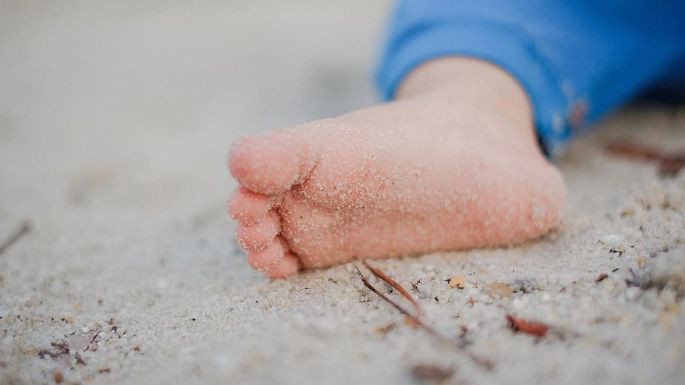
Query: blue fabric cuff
x=508, y=47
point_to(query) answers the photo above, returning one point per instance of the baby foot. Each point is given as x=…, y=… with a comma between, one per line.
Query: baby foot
x=438, y=171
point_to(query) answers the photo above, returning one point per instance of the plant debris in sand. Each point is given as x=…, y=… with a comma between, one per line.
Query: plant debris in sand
x=431, y=373
x=20, y=232
x=415, y=319
x=534, y=328
x=669, y=163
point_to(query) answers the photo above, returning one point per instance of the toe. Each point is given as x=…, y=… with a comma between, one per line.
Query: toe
x=248, y=207
x=285, y=267
x=256, y=237
x=271, y=163
x=267, y=258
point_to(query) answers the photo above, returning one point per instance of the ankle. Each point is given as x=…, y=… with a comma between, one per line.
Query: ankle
x=464, y=76
x=479, y=86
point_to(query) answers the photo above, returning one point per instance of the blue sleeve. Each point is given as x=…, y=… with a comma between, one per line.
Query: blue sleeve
x=577, y=60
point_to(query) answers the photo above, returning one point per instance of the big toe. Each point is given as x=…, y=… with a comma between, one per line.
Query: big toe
x=271, y=163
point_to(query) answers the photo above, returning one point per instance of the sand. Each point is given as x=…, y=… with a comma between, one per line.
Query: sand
x=114, y=125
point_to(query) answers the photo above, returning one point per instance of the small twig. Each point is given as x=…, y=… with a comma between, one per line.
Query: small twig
x=384, y=297
x=24, y=229
x=378, y=273
x=481, y=361
x=669, y=164
x=92, y=340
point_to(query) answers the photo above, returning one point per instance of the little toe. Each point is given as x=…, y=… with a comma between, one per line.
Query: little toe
x=248, y=207
x=268, y=257
x=271, y=163
x=285, y=267
x=257, y=236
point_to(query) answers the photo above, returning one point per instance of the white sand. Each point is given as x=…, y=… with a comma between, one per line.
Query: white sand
x=114, y=125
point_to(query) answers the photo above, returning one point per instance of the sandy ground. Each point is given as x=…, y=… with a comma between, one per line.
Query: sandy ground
x=114, y=124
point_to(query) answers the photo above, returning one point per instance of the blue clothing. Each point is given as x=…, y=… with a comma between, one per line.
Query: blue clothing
x=577, y=60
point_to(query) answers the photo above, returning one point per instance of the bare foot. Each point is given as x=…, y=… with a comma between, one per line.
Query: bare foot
x=452, y=164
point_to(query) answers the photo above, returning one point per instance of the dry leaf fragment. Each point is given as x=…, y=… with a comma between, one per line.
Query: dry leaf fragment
x=432, y=373
x=383, y=330
x=58, y=376
x=458, y=281
x=601, y=277
x=533, y=328
x=499, y=289
x=411, y=322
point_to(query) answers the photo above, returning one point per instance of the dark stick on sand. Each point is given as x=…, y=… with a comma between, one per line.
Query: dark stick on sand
x=669, y=163
x=24, y=229
x=380, y=274
x=415, y=319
